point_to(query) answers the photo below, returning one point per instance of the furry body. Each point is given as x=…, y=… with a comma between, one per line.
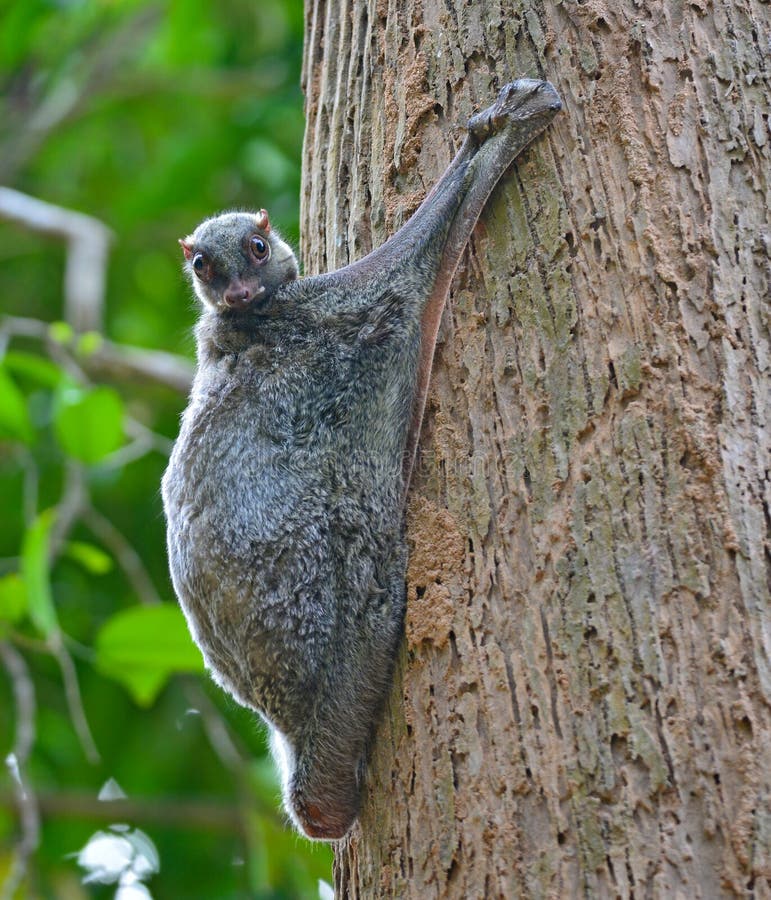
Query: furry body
x=286, y=485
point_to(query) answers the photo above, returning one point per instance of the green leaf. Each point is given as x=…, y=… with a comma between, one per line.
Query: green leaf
x=36, y=572
x=13, y=599
x=88, y=423
x=33, y=367
x=14, y=417
x=61, y=332
x=92, y=558
x=88, y=343
x=142, y=646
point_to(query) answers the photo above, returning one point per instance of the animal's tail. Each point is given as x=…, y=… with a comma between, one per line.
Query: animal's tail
x=328, y=814
x=322, y=790
x=323, y=759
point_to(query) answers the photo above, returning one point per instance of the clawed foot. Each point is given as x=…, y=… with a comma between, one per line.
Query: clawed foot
x=523, y=101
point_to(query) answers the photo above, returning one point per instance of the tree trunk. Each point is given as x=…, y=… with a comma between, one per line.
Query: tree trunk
x=582, y=703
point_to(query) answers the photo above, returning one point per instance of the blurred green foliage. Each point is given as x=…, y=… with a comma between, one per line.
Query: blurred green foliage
x=149, y=117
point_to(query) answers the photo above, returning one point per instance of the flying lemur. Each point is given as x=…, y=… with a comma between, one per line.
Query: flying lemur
x=285, y=491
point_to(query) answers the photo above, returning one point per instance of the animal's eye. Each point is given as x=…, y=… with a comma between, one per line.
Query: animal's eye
x=260, y=248
x=201, y=266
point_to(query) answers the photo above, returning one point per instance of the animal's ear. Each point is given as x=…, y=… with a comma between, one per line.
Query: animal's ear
x=263, y=223
x=187, y=248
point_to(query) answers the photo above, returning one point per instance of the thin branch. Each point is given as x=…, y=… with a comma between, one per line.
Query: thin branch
x=163, y=368
x=21, y=326
x=215, y=727
x=29, y=814
x=154, y=441
x=127, y=454
x=121, y=363
x=223, y=745
x=47, y=218
x=66, y=360
x=69, y=509
x=110, y=360
x=144, y=441
x=130, y=561
x=88, y=242
x=53, y=109
x=184, y=813
x=74, y=698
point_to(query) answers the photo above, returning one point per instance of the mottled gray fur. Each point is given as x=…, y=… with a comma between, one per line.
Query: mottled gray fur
x=285, y=490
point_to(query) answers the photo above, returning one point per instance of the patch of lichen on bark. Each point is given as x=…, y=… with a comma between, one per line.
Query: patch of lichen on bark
x=591, y=845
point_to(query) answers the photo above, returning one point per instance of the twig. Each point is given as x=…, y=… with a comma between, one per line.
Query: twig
x=224, y=746
x=130, y=561
x=74, y=698
x=216, y=729
x=127, y=454
x=145, y=441
x=201, y=813
x=21, y=326
x=53, y=109
x=155, y=441
x=69, y=508
x=111, y=360
x=88, y=242
x=124, y=363
x=29, y=814
x=163, y=368
x=73, y=502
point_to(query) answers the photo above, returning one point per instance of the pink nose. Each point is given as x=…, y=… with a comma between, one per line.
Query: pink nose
x=237, y=296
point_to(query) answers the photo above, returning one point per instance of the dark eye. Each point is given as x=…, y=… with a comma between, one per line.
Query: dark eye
x=260, y=248
x=200, y=266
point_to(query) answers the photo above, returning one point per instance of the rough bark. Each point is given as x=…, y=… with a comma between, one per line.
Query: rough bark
x=582, y=706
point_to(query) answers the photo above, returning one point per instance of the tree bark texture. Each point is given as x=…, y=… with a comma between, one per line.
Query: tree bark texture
x=582, y=701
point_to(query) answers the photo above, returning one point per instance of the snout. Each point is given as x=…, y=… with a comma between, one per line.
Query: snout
x=239, y=295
